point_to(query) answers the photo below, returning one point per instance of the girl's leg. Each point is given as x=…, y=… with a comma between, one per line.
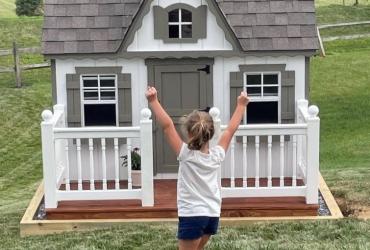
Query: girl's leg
x=189, y=244
x=203, y=241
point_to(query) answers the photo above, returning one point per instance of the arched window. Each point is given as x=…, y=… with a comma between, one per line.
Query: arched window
x=180, y=23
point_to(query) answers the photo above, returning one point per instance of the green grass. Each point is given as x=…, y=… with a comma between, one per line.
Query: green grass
x=347, y=30
x=319, y=3
x=340, y=14
x=7, y=8
x=340, y=87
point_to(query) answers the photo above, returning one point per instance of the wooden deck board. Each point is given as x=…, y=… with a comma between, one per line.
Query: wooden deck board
x=165, y=205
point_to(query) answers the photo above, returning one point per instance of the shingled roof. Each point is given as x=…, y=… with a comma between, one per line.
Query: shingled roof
x=99, y=26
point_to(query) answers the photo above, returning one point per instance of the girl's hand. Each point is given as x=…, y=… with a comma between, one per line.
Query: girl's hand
x=243, y=99
x=151, y=94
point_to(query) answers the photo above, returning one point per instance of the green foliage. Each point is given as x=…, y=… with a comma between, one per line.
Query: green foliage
x=135, y=159
x=340, y=14
x=28, y=7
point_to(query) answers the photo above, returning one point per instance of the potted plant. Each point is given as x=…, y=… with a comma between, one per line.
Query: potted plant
x=135, y=166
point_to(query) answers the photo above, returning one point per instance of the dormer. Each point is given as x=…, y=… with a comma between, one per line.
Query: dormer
x=180, y=23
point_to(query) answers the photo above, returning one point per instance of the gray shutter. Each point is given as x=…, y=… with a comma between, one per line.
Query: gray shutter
x=73, y=100
x=287, y=97
x=200, y=22
x=124, y=100
x=160, y=23
x=236, y=86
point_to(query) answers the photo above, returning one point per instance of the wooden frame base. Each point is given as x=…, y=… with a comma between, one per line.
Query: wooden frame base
x=30, y=226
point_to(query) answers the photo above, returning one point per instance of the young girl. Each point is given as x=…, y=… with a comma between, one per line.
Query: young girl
x=198, y=193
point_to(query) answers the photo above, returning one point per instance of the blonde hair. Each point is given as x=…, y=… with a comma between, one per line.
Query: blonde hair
x=199, y=127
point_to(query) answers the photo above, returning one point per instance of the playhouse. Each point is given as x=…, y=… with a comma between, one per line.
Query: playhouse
x=198, y=54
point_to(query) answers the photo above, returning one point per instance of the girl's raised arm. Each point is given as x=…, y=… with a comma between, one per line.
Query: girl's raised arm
x=164, y=120
x=235, y=120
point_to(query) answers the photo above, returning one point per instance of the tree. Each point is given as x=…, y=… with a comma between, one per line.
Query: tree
x=28, y=7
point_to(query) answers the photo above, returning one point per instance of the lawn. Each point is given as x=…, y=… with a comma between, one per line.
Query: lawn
x=7, y=8
x=340, y=87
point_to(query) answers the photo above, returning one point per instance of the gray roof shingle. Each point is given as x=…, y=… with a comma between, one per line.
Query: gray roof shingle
x=99, y=26
x=86, y=26
x=272, y=24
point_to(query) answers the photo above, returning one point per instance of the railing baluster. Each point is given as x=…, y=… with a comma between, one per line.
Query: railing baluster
x=294, y=177
x=257, y=166
x=281, y=161
x=79, y=169
x=245, y=163
x=91, y=164
x=66, y=149
x=269, y=160
x=232, y=159
x=104, y=163
x=129, y=166
x=116, y=162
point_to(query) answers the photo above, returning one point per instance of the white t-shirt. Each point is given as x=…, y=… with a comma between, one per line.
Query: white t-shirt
x=198, y=192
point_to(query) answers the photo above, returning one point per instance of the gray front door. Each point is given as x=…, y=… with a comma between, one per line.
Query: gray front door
x=183, y=86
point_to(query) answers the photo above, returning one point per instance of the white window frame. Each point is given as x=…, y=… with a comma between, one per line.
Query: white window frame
x=99, y=101
x=263, y=98
x=180, y=23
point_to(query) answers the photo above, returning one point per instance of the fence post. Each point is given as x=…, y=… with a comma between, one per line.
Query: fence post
x=48, y=159
x=17, y=67
x=146, y=144
x=215, y=113
x=313, y=149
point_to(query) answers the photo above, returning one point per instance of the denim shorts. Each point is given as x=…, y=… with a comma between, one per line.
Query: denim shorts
x=191, y=228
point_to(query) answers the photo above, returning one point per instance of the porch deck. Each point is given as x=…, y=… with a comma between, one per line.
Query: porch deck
x=165, y=204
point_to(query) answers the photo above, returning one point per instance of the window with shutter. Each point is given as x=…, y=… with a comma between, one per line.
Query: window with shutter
x=180, y=23
x=271, y=90
x=99, y=96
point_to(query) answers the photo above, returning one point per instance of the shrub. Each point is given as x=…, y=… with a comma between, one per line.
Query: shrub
x=28, y=7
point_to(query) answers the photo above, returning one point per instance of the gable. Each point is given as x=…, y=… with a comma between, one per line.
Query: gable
x=145, y=38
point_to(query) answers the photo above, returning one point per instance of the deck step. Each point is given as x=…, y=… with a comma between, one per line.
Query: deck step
x=165, y=207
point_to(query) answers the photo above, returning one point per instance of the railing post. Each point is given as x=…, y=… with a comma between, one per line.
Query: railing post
x=215, y=113
x=313, y=145
x=48, y=159
x=146, y=144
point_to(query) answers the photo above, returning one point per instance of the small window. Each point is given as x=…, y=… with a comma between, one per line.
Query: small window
x=263, y=88
x=180, y=23
x=99, y=100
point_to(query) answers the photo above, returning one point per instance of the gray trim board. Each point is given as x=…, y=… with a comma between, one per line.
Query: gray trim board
x=307, y=78
x=54, y=93
x=182, y=54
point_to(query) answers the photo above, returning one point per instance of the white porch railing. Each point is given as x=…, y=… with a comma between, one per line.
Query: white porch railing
x=57, y=141
x=300, y=141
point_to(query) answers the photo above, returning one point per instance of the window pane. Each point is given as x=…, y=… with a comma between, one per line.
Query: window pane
x=186, y=31
x=100, y=114
x=107, y=82
x=173, y=16
x=185, y=15
x=253, y=79
x=270, y=91
x=270, y=79
x=262, y=112
x=91, y=95
x=108, y=95
x=173, y=31
x=91, y=82
x=254, y=91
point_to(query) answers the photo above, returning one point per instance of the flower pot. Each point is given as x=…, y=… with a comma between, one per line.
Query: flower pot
x=136, y=178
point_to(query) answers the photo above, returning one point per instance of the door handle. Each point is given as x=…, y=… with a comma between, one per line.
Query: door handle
x=205, y=69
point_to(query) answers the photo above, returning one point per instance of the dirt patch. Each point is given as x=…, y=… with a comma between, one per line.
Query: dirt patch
x=350, y=209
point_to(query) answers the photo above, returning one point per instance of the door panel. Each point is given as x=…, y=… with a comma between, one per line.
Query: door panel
x=181, y=89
